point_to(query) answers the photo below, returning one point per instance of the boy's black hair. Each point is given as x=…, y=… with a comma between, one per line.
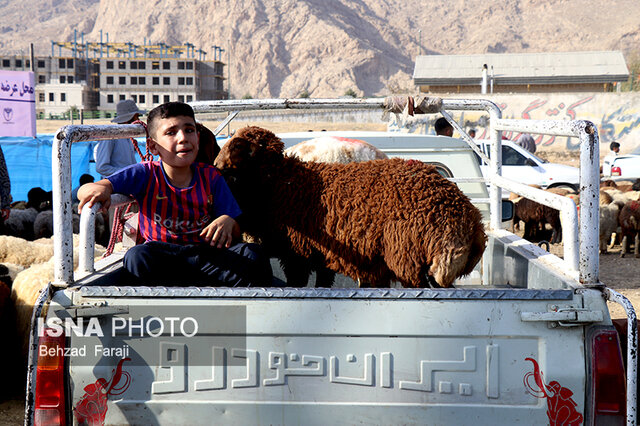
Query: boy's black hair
x=613, y=145
x=441, y=124
x=167, y=110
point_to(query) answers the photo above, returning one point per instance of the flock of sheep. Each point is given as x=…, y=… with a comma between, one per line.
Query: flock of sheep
x=619, y=216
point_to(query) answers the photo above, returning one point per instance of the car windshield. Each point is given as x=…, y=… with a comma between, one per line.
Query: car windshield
x=510, y=156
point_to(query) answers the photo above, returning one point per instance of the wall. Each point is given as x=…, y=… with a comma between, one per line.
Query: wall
x=617, y=116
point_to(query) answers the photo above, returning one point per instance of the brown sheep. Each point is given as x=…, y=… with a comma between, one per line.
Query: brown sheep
x=535, y=216
x=378, y=221
x=630, y=224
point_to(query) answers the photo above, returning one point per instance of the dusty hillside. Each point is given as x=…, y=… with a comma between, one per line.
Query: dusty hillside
x=284, y=47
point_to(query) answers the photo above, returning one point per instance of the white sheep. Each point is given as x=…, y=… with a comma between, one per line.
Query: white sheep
x=335, y=149
x=28, y=284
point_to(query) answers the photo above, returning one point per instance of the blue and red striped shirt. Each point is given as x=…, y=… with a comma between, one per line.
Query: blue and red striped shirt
x=170, y=214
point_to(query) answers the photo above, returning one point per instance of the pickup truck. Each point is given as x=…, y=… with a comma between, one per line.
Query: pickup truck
x=622, y=167
x=526, y=339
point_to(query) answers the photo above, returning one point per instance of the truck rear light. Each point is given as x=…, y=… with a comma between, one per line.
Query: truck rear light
x=616, y=171
x=50, y=395
x=608, y=379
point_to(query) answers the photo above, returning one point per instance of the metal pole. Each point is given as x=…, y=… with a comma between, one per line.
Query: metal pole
x=32, y=56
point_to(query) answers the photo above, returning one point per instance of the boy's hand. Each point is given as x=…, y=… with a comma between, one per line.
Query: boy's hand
x=221, y=231
x=91, y=193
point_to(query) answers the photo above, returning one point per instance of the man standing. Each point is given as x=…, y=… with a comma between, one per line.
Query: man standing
x=115, y=154
x=443, y=127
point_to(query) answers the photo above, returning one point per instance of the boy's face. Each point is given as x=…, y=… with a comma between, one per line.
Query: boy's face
x=175, y=141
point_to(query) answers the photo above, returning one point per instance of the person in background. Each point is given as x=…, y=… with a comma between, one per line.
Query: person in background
x=472, y=133
x=5, y=188
x=614, y=150
x=443, y=127
x=115, y=154
x=527, y=142
x=85, y=178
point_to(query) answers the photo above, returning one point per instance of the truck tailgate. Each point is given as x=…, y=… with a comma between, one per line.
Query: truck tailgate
x=316, y=356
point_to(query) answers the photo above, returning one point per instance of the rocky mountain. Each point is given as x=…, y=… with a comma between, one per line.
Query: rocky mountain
x=327, y=47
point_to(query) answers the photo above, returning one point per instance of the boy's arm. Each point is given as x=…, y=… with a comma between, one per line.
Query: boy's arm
x=221, y=232
x=91, y=193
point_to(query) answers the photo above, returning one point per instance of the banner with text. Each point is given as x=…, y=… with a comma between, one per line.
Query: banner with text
x=17, y=103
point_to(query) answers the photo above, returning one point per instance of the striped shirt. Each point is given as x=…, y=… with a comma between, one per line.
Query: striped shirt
x=170, y=214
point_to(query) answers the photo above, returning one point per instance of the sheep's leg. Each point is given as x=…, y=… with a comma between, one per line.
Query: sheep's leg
x=636, y=248
x=324, y=277
x=613, y=239
x=603, y=244
x=296, y=270
x=624, y=244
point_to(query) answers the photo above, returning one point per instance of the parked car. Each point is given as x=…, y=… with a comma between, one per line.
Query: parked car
x=622, y=167
x=522, y=166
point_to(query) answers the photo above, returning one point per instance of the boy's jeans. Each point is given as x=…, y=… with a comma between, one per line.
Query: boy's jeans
x=160, y=263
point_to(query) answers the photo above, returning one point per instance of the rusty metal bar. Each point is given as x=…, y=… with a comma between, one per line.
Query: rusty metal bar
x=589, y=265
x=61, y=188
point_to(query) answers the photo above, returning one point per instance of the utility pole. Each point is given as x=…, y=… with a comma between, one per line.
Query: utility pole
x=420, y=41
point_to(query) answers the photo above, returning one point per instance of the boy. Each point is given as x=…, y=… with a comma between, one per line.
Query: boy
x=187, y=212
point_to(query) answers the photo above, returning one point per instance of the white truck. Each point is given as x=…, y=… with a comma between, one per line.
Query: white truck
x=526, y=339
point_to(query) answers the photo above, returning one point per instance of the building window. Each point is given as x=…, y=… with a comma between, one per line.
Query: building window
x=189, y=98
x=166, y=98
x=155, y=65
x=62, y=63
x=189, y=81
x=156, y=81
x=122, y=80
x=42, y=79
x=166, y=81
x=133, y=80
x=135, y=98
x=142, y=80
x=166, y=65
x=133, y=65
x=156, y=99
x=63, y=97
x=142, y=65
x=109, y=99
x=122, y=65
x=18, y=63
x=180, y=65
x=142, y=99
x=109, y=65
x=69, y=63
x=121, y=97
x=180, y=98
x=51, y=98
x=110, y=79
x=189, y=65
x=63, y=79
x=181, y=81
x=40, y=97
x=69, y=79
x=6, y=63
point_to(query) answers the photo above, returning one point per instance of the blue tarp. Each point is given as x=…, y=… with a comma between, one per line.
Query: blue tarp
x=29, y=162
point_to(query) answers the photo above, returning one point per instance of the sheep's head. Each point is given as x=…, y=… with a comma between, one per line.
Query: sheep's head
x=249, y=145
